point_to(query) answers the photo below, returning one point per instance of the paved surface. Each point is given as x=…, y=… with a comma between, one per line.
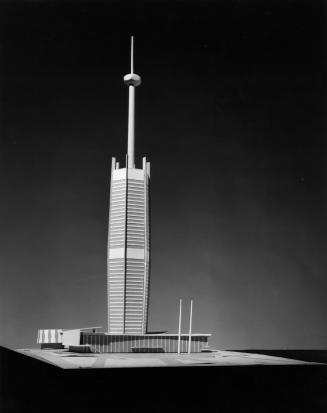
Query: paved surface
x=68, y=360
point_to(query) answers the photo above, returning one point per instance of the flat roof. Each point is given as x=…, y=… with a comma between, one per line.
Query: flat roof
x=154, y=334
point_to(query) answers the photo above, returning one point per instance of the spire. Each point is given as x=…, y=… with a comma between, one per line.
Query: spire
x=132, y=54
x=131, y=80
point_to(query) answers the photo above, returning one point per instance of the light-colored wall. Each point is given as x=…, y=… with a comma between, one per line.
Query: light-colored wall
x=71, y=337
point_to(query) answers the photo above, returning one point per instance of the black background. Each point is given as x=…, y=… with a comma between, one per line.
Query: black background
x=231, y=115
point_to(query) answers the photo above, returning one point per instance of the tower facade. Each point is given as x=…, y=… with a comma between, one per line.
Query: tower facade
x=128, y=266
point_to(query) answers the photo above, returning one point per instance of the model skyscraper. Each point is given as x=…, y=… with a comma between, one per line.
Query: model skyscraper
x=128, y=268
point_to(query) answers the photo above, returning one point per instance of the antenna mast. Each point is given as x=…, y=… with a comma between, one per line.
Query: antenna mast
x=132, y=80
x=132, y=54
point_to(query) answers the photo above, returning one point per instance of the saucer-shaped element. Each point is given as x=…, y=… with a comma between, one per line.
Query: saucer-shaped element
x=132, y=79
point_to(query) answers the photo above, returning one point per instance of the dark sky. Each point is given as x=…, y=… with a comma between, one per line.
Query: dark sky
x=231, y=115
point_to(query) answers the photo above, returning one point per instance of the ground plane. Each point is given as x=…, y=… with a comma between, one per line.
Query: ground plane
x=69, y=360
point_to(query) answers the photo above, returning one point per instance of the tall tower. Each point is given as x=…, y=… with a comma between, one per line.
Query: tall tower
x=128, y=268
